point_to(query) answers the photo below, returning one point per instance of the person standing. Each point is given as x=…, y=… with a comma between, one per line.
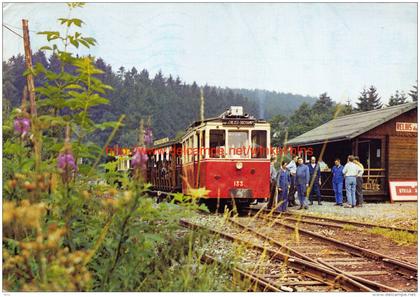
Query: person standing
x=273, y=183
x=302, y=182
x=350, y=172
x=283, y=183
x=359, y=183
x=291, y=167
x=337, y=181
x=315, y=177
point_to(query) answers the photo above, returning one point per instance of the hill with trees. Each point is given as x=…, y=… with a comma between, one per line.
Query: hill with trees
x=169, y=103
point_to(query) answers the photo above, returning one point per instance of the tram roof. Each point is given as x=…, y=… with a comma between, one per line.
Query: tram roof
x=224, y=117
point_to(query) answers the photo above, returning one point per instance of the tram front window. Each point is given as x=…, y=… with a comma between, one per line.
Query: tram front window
x=259, y=143
x=217, y=143
x=238, y=144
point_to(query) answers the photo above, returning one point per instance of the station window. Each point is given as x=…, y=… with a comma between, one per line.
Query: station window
x=217, y=143
x=259, y=144
x=238, y=144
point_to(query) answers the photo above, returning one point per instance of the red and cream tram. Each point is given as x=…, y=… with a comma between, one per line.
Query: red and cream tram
x=227, y=155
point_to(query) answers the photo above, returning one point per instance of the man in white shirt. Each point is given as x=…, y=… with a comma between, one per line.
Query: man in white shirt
x=351, y=171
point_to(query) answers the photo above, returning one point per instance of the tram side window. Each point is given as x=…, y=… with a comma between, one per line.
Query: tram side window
x=259, y=144
x=217, y=143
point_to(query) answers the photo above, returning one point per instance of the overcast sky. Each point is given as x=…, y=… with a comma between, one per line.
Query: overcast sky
x=289, y=47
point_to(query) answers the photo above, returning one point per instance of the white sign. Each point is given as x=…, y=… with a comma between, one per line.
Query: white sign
x=406, y=127
x=403, y=190
x=161, y=141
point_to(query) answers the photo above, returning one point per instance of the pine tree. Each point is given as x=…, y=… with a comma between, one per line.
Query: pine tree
x=369, y=100
x=323, y=104
x=397, y=98
x=374, y=99
x=413, y=93
x=363, y=104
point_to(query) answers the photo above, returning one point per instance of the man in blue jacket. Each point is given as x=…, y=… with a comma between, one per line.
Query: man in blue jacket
x=315, y=177
x=337, y=181
x=302, y=182
x=283, y=183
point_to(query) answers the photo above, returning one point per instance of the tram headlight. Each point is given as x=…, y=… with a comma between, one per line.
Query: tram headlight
x=239, y=165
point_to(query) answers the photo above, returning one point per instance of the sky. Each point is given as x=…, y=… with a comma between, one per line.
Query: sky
x=300, y=48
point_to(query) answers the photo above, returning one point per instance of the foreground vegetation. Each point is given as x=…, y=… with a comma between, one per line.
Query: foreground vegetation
x=66, y=225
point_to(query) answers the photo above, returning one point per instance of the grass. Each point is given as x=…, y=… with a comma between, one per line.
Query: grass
x=348, y=227
x=399, y=237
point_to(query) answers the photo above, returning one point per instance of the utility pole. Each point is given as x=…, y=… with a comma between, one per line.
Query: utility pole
x=31, y=90
x=28, y=62
x=201, y=105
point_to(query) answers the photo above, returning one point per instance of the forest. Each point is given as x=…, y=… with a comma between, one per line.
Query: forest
x=168, y=103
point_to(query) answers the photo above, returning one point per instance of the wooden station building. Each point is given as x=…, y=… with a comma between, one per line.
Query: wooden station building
x=385, y=141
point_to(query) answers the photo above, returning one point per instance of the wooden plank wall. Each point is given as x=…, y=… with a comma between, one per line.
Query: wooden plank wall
x=401, y=152
x=402, y=158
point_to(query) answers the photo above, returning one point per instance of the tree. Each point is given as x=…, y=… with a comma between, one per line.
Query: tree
x=344, y=109
x=278, y=129
x=369, y=100
x=323, y=104
x=374, y=99
x=413, y=93
x=302, y=120
x=397, y=99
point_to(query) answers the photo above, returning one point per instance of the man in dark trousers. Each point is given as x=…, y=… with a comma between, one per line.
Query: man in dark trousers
x=315, y=173
x=302, y=182
x=359, y=182
x=337, y=182
x=291, y=167
x=283, y=182
x=273, y=183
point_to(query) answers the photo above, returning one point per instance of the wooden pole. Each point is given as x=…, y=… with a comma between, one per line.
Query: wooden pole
x=201, y=105
x=31, y=90
x=28, y=62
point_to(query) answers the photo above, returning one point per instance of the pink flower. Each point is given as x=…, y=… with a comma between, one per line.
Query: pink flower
x=22, y=125
x=148, y=136
x=139, y=160
x=66, y=161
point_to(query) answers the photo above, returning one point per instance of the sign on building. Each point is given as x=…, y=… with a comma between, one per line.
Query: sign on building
x=406, y=127
x=403, y=190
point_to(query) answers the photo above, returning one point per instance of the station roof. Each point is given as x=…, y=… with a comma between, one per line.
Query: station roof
x=350, y=126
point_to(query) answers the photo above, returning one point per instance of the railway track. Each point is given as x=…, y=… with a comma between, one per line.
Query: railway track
x=271, y=265
x=330, y=222
x=375, y=270
x=356, y=235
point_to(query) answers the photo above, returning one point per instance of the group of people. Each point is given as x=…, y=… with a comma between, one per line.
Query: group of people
x=305, y=179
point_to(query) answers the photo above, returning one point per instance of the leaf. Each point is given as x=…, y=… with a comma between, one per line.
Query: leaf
x=51, y=35
x=198, y=193
x=73, y=86
x=45, y=48
x=105, y=125
x=74, y=42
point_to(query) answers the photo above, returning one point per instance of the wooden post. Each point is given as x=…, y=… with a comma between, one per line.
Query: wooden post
x=201, y=105
x=28, y=62
x=31, y=90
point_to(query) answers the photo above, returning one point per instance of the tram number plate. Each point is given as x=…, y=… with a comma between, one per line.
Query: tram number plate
x=238, y=183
